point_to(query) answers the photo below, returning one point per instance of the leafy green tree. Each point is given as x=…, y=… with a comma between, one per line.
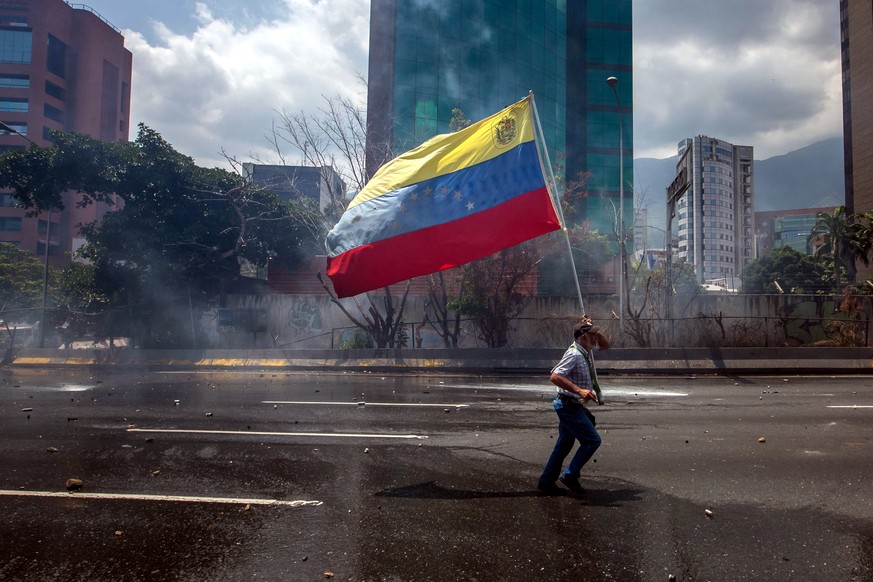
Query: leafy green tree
x=21, y=286
x=785, y=270
x=84, y=307
x=497, y=288
x=179, y=235
x=21, y=278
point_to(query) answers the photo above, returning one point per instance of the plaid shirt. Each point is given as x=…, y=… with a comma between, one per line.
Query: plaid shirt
x=574, y=367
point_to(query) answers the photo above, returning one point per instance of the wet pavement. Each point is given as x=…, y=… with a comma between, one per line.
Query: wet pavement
x=274, y=476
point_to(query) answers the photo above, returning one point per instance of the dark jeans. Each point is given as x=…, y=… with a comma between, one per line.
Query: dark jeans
x=573, y=425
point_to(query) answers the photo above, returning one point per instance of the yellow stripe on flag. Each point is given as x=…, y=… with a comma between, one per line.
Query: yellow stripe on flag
x=451, y=152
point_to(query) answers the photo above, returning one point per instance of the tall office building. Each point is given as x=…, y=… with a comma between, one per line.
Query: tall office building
x=428, y=58
x=321, y=184
x=715, y=215
x=856, y=36
x=62, y=67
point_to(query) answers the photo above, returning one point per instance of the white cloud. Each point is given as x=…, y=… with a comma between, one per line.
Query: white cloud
x=219, y=87
x=765, y=74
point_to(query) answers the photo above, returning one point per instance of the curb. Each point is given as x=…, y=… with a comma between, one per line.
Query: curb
x=618, y=361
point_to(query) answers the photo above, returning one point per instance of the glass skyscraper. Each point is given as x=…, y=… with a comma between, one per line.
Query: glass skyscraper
x=428, y=57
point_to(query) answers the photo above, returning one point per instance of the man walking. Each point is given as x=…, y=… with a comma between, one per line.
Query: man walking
x=576, y=381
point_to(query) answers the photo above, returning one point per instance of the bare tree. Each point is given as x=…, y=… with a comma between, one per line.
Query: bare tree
x=623, y=235
x=438, y=311
x=334, y=138
x=386, y=328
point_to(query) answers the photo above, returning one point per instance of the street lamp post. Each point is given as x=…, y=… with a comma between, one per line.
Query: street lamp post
x=613, y=83
x=48, y=233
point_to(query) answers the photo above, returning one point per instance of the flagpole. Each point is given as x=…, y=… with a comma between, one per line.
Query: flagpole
x=553, y=192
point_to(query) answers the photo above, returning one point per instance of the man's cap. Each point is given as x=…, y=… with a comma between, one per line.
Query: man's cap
x=590, y=328
x=585, y=326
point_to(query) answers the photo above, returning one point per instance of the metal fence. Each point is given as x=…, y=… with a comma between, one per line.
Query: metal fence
x=799, y=321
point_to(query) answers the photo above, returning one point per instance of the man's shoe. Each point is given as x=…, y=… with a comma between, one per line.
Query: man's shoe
x=572, y=484
x=549, y=489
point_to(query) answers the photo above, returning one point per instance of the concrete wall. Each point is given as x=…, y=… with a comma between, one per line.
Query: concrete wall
x=707, y=320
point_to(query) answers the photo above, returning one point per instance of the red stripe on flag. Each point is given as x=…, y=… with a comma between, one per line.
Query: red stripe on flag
x=444, y=246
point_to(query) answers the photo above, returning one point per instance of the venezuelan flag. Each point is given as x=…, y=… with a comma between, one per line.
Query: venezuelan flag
x=456, y=198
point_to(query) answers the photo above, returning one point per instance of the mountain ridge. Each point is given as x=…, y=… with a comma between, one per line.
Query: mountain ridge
x=809, y=177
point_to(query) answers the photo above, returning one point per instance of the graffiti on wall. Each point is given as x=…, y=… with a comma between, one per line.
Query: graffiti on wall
x=305, y=318
x=816, y=320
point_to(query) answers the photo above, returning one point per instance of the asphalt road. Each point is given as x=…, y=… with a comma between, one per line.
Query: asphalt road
x=275, y=476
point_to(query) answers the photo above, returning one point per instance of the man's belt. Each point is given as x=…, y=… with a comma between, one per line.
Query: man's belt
x=570, y=399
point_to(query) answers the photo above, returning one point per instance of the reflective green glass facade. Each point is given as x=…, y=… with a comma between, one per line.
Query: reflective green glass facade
x=793, y=231
x=480, y=57
x=428, y=57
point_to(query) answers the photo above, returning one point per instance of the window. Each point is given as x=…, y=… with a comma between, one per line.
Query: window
x=10, y=20
x=42, y=227
x=56, y=60
x=7, y=201
x=16, y=126
x=15, y=81
x=54, y=250
x=55, y=91
x=9, y=223
x=53, y=113
x=13, y=104
x=15, y=46
x=125, y=96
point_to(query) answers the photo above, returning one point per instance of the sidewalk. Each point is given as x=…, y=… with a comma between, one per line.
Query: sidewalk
x=617, y=361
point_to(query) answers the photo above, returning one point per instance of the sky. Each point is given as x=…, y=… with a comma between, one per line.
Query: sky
x=212, y=75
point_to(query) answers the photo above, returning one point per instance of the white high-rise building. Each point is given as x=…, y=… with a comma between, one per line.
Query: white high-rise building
x=715, y=216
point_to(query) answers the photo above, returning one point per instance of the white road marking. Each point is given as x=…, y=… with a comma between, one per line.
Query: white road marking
x=612, y=391
x=270, y=433
x=143, y=497
x=851, y=406
x=363, y=403
x=645, y=393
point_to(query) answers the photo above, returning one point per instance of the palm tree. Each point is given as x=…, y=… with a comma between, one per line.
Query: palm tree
x=864, y=237
x=845, y=237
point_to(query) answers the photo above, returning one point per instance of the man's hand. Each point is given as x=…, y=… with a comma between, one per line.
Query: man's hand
x=588, y=395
